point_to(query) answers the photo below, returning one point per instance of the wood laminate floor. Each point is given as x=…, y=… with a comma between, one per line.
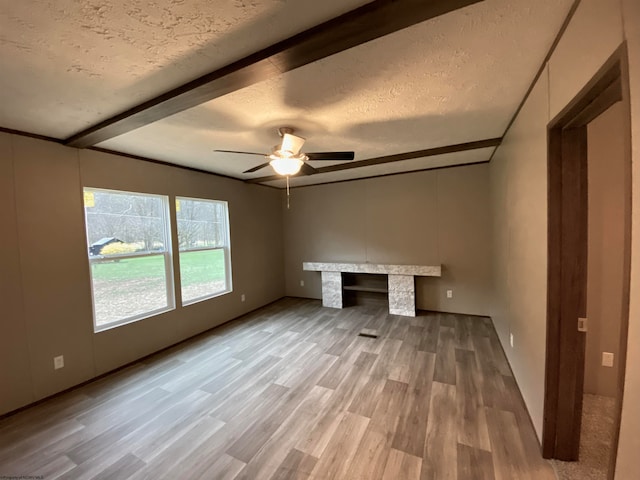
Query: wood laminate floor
x=293, y=392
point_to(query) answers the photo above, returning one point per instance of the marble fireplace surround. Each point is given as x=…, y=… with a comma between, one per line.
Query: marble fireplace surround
x=401, y=282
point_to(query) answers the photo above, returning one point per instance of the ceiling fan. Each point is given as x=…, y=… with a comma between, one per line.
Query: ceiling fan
x=288, y=159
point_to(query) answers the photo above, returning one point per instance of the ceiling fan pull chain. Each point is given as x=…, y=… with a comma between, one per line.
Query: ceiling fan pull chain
x=287, y=192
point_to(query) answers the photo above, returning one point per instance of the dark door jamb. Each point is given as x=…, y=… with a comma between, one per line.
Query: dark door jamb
x=567, y=257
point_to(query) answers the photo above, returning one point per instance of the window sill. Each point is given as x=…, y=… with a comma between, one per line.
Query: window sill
x=120, y=323
x=206, y=297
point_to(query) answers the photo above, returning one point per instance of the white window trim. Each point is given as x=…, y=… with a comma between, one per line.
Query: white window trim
x=168, y=263
x=226, y=248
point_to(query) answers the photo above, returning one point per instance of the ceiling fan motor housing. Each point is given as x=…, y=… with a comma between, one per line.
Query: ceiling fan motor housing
x=291, y=145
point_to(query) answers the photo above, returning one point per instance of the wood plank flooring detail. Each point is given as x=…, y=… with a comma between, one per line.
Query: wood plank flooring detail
x=293, y=392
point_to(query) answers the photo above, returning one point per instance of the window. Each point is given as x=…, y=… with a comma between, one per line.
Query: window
x=129, y=249
x=203, y=238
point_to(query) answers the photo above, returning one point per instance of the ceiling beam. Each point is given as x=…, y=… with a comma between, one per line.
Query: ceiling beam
x=429, y=152
x=366, y=23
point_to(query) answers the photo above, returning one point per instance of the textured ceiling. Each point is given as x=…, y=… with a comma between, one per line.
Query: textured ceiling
x=66, y=64
x=453, y=79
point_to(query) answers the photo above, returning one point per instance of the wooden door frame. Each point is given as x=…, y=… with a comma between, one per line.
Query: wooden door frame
x=567, y=257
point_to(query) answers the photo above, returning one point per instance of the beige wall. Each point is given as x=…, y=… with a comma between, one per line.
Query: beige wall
x=629, y=446
x=433, y=217
x=520, y=259
x=605, y=284
x=45, y=281
x=519, y=199
x=15, y=373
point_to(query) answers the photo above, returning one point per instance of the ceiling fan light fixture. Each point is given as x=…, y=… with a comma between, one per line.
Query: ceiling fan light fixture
x=289, y=165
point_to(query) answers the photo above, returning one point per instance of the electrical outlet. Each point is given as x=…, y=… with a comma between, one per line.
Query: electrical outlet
x=449, y=293
x=511, y=339
x=242, y=298
x=302, y=283
x=607, y=359
x=58, y=362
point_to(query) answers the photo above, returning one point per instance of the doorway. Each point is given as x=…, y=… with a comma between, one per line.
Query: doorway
x=568, y=255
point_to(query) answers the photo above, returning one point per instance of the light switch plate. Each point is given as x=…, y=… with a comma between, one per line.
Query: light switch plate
x=449, y=293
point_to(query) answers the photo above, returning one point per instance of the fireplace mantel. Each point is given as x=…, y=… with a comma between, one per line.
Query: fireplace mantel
x=401, y=282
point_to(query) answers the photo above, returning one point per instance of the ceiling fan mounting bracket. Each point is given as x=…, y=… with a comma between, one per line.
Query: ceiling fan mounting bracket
x=283, y=130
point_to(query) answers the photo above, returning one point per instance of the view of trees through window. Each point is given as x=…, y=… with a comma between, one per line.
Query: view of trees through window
x=204, y=248
x=133, y=219
x=201, y=223
x=128, y=247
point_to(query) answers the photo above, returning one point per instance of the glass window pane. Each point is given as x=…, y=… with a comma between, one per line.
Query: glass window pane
x=124, y=223
x=129, y=249
x=203, y=237
x=128, y=287
x=202, y=273
x=201, y=223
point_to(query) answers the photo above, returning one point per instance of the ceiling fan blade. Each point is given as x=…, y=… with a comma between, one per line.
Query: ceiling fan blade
x=307, y=169
x=292, y=143
x=245, y=153
x=336, y=156
x=255, y=169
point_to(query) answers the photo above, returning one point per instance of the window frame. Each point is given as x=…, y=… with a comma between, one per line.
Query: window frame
x=167, y=254
x=226, y=251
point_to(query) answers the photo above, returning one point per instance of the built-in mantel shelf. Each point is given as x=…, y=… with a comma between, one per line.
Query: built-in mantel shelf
x=400, y=282
x=414, y=270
